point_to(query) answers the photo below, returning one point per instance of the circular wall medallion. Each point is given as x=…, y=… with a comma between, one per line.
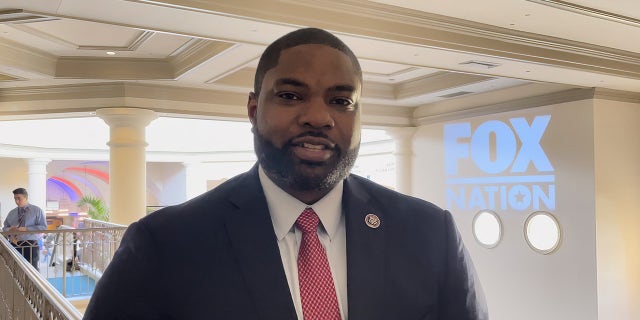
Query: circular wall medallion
x=487, y=228
x=542, y=232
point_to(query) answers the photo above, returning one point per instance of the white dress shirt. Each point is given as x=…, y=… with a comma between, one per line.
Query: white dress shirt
x=284, y=210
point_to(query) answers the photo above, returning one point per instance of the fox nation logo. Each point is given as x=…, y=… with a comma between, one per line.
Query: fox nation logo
x=499, y=165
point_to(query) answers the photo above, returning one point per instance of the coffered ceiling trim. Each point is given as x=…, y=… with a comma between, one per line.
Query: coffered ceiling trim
x=133, y=46
x=81, y=100
x=6, y=77
x=436, y=82
x=43, y=35
x=26, y=62
x=198, y=52
x=376, y=90
x=64, y=92
x=15, y=16
x=113, y=68
x=588, y=11
x=369, y=19
x=433, y=116
x=240, y=78
x=617, y=95
x=392, y=74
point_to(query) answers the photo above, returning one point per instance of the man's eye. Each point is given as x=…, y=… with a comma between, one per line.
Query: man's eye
x=342, y=102
x=288, y=96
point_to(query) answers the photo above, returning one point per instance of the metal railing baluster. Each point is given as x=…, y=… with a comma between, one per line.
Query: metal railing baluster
x=26, y=293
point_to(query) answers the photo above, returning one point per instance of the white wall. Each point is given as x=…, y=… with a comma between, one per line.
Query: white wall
x=165, y=184
x=520, y=283
x=14, y=175
x=88, y=184
x=225, y=170
x=617, y=167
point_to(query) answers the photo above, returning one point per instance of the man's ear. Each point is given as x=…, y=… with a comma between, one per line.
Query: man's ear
x=252, y=107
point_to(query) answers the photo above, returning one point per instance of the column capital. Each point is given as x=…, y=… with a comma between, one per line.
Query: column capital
x=38, y=165
x=38, y=161
x=191, y=163
x=127, y=125
x=126, y=117
x=400, y=133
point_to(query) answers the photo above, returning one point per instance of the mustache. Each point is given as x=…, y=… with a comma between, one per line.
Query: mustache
x=317, y=134
x=314, y=133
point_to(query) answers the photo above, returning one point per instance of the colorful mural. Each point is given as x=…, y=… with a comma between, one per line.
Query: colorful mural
x=75, y=181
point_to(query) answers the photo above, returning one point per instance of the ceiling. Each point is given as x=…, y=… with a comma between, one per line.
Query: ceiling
x=422, y=60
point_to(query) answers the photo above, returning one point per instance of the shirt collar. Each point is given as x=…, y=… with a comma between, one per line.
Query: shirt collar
x=285, y=209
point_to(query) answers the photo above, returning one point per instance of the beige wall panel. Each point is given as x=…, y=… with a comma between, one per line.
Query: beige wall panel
x=520, y=283
x=617, y=167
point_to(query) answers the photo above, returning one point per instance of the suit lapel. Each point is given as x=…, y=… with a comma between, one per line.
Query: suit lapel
x=365, y=255
x=255, y=245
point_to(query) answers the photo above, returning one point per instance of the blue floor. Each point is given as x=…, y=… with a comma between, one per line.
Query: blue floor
x=76, y=285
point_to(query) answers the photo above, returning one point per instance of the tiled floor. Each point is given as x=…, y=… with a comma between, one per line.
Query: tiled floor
x=56, y=271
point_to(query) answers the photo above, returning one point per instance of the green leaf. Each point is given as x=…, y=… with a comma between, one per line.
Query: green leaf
x=96, y=208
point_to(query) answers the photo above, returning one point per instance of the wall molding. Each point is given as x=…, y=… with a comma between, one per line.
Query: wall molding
x=588, y=11
x=512, y=105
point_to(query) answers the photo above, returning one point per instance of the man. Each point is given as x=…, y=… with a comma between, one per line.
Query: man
x=296, y=237
x=26, y=217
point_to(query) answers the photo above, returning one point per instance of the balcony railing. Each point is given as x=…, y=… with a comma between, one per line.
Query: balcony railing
x=71, y=261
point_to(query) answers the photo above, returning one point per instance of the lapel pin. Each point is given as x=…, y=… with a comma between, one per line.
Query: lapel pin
x=372, y=221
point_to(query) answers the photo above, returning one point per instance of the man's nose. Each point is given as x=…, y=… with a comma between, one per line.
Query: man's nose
x=316, y=114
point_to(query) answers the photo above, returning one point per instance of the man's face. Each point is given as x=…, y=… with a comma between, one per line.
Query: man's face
x=20, y=199
x=306, y=121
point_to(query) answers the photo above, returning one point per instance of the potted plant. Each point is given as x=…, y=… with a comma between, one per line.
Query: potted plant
x=96, y=208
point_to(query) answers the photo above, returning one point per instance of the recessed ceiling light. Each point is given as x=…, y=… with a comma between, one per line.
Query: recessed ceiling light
x=111, y=53
x=455, y=94
x=480, y=64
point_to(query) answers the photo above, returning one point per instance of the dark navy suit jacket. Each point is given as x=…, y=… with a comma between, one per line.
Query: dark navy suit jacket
x=216, y=257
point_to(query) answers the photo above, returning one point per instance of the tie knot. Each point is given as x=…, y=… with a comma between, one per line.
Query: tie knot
x=308, y=221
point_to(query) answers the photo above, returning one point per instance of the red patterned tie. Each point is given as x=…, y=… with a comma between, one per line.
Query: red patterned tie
x=317, y=292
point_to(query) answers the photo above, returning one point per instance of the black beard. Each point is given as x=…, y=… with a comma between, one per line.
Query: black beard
x=286, y=170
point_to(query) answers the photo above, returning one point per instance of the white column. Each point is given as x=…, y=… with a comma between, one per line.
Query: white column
x=38, y=182
x=404, y=153
x=127, y=162
x=195, y=183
